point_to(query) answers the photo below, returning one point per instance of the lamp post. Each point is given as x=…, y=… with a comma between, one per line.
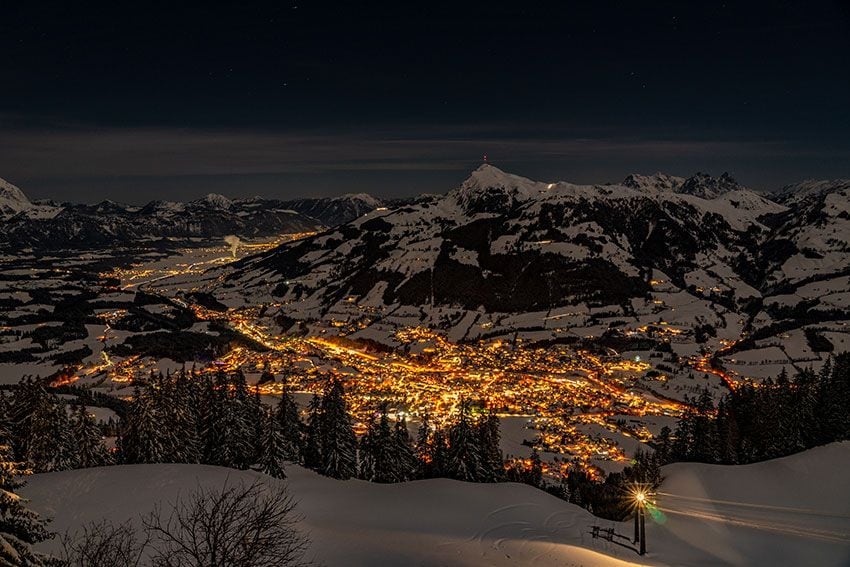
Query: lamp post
x=640, y=518
x=642, y=511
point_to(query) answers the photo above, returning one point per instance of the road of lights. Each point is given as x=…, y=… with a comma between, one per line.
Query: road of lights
x=704, y=364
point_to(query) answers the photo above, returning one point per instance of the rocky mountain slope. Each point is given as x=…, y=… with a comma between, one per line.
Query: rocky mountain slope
x=13, y=202
x=12, y=199
x=502, y=253
x=332, y=211
x=46, y=226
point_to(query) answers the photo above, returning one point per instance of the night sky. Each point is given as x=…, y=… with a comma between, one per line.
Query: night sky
x=136, y=101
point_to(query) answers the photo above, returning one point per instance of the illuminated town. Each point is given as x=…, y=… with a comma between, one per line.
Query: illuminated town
x=574, y=403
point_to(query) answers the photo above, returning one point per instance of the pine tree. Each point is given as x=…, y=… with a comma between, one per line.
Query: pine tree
x=312, y=449
x=492, y=462
x=835, y=399
x=535, y=472
x=767, y=438
x=230, y=429
x=804, y=422
x=743, y=404
x=464, y=454
x=184, y=419
x=704, y=431
x=366, y=450
x=405, y=457
x=52, y=446
x=841, y=382
x=91, y=449
x=439, y=462
x=788, y=428
x=257, y=412
x=682, y=448
x=644, y=470
x=241, y=417
x=290, y=426
x=424, y=452
x=28, y=395
x=728, y=436
x=663, y=445
x=20, y=527
x=210, y=418
x=576, y=480
x=379, y=450
x=272, y=454
x=337, y=439
x=141, y=439
x=162, y=398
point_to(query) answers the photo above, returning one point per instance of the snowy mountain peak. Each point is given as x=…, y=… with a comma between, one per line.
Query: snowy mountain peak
x=364, y=198
x=216, y=201
x=656, y=182
x=487, y=176
x=490, y=190
x=12, y=199
x=705, y=186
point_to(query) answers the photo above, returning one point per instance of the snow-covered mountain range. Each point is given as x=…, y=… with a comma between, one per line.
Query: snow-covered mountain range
x=501, y=253
x=331, y=211
x=27, y=224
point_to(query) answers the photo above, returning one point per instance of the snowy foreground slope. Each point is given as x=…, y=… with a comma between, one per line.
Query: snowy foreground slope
x=791, y=511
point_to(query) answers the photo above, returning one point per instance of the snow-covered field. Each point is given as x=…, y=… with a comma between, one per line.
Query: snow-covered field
x=791, y=511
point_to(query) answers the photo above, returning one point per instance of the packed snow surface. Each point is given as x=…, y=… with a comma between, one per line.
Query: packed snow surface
x=791, y=511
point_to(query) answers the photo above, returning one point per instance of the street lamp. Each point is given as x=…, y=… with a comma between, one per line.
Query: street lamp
x=639, y=497
x=642, y=510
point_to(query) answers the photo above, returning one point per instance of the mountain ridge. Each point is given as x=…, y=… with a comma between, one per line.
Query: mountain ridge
x=53, y=226
x=500, y=247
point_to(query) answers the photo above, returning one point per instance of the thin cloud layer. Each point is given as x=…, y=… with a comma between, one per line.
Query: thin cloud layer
x=50, y=156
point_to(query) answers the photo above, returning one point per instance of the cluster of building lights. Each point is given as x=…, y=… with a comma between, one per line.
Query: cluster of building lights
x=559, y=389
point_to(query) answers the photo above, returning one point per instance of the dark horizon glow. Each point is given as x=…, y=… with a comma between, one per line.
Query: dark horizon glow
x=297, y=99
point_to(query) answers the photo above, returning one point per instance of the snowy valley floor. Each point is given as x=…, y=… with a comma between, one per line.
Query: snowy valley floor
x=790, y=511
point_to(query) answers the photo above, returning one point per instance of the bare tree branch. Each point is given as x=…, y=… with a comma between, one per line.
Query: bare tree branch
x=102, y=544
x=239, y=525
